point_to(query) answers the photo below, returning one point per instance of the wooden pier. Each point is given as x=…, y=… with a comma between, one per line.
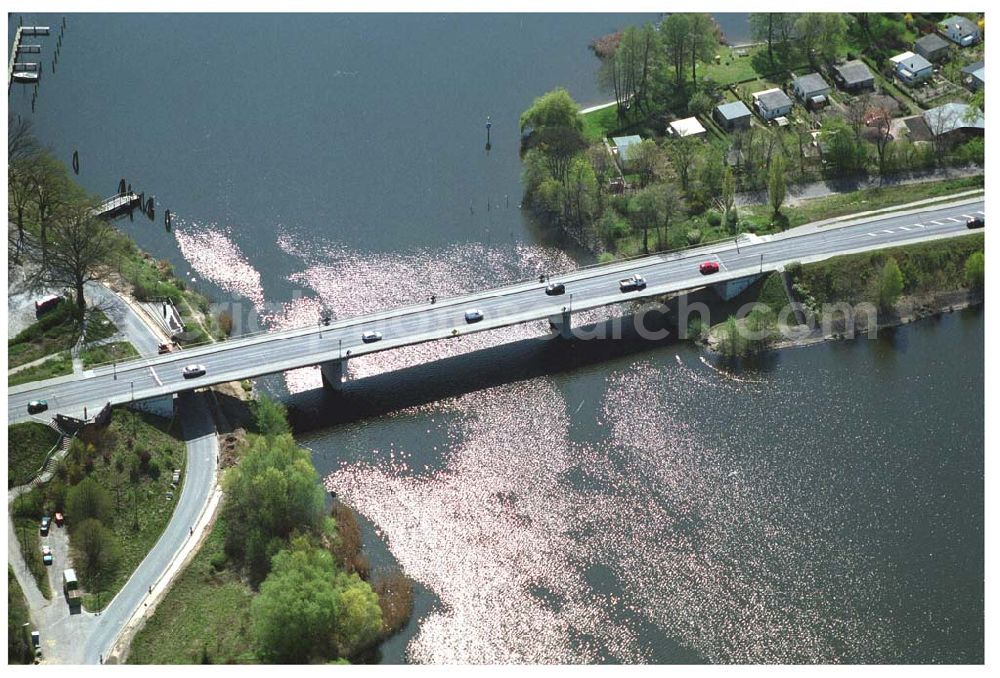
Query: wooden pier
x=15, y=49
x=117, y=204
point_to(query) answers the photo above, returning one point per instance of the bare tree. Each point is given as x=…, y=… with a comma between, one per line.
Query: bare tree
x=82, y=248
x=883, y=135
x=857, y=111
x=49, y=186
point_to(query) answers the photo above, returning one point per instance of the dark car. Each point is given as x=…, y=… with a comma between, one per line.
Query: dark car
x=975, y=222
x=708, y=268
x=36, y=406
x=43, y=528
x=555, y=288
x=192, y=371
x=371, y=337
x=473, y=315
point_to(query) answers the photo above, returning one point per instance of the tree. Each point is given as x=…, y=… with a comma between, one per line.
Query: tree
x=645, y=214
x=553, y=109
x=674, y=32
x=890, y=285
x=975, y=271
x=273, y=492
x=700, y=104
x=844, y=153
x=682, y=154
x=628, y=70
x=670, y=204
x=727, y=203
x=776, y=30
x=87, y=500
x=603, y=166
x=358, y=624
x=270, y=417
x=820, y=34
x=83, y=247
x=883, y=135
x=776, y=184
x=701, y=41
x=645, y=159
x=95, y=552
x=49, y=187
x=295, y=615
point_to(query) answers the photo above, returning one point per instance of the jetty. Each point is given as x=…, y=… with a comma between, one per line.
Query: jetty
x=118, y=204
x=15, y=49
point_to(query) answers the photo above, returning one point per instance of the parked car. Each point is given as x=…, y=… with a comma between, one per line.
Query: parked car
x=43, y=528
x=555, y=288
x=192, y=371
x=36, y=644
x=709, y=267
x=371, y=336
x=46, y=555
x=59, y=519
x=473, y=315
x=975, y=222
x=165, y=348
x=36, y=406
x=633, y=282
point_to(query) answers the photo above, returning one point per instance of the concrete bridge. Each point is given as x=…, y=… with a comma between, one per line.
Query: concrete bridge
x=158, y=378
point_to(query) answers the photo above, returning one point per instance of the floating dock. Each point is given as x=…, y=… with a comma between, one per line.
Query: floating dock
x=15, y=49
x=116, y=205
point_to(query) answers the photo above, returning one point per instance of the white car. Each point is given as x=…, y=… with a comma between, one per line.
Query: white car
x=192, y=371
x=371, y=336
x=473, y=315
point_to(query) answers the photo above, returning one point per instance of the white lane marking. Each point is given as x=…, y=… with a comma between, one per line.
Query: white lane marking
x=937, y=223
x=874, y=235
x=905, y=228
x=954, y=219
x=967, y=216
x=155, y=376
x=919, y=225
x=981, y=212
x=888, y=230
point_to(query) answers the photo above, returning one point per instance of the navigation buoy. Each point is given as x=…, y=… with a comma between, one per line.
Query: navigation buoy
x=121, y=186
x=76, y=162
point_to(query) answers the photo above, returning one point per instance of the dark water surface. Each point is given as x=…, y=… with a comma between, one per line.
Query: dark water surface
x=553, y=502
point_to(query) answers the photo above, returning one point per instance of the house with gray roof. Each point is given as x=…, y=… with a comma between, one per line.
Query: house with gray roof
x=811, y=89
x=853, y=76
x=931, y=47
x=623, y=146
x=734, y=115
x=912, y=68
x=960, y=30
x=772, y=103
x=974, y=76
x=955, y=120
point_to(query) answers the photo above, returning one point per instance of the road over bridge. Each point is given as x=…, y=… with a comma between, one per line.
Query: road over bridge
x=586, y=288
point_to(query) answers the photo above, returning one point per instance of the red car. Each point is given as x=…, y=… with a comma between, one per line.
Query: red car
x=708, y=268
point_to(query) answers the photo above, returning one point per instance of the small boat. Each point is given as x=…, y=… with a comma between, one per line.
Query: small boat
x=25, y=76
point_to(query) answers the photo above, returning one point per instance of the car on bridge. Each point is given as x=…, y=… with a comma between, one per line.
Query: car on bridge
x=632, y=283
x=192, y=371
x=709, y=267
x=371, y=337
x=555, y=288
x=36, y=406
x=975, y=222
x=473, y=315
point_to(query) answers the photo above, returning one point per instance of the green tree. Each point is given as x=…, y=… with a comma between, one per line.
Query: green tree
x=890, y=285
x=683, y=154
x=776, y=183
x=95, y=552
x=700, y=104
x=270, y=417
x=674, y=32
x=975, y=271
x=645, y=214
x=731, y=341
x=775, y=29
x=553, y=109
x=295, y=615
x=87, y=500
x=359, y=620
x=50, y=188
x=646, y=159
x=820, y=35
x=273, y=492
x=727, y=203
x=701, y=41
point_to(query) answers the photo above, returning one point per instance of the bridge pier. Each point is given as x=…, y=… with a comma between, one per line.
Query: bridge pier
x=562, y=324
x=731, y=288
x=162, y=406
x=334, y=373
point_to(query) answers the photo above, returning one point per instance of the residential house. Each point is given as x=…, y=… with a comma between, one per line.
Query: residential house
x=734, y=115
x=622, y=147
x=931, y=47
x=955, y=120
x=811, y=89
x=854, y=76
x=772, y=103
x=974, y=76
x=960, y=30
x=688, y=127
x=912, y=68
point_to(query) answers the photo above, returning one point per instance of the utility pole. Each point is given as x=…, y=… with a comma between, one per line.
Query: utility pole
x=762, y=262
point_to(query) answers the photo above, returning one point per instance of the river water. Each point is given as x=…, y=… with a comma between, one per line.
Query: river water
x=598, y=501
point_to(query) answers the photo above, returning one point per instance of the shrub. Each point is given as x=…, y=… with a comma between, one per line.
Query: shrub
x=693, y=237
x=714, y=219
x=605, y=258
x=87, y=500
x=975, y=271
x=225, y=319
x=395, y=597
x=890, y=285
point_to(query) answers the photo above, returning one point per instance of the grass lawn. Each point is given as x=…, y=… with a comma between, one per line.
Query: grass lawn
x=730, y=68
x=27, y=445
x=55, y=331
x=58, y=366
x=935, y=265
x=204, y=617
x=26, y=532
x=141, y=508
x=106, y=353
x=598, y=124
x=19, y=650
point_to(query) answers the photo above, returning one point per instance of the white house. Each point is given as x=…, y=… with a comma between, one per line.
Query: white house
x=772, y=103
x=912, y=68
x=688, y=127
x=960, y=30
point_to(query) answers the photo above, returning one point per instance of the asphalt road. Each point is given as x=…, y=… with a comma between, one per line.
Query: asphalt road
x=585, y=288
